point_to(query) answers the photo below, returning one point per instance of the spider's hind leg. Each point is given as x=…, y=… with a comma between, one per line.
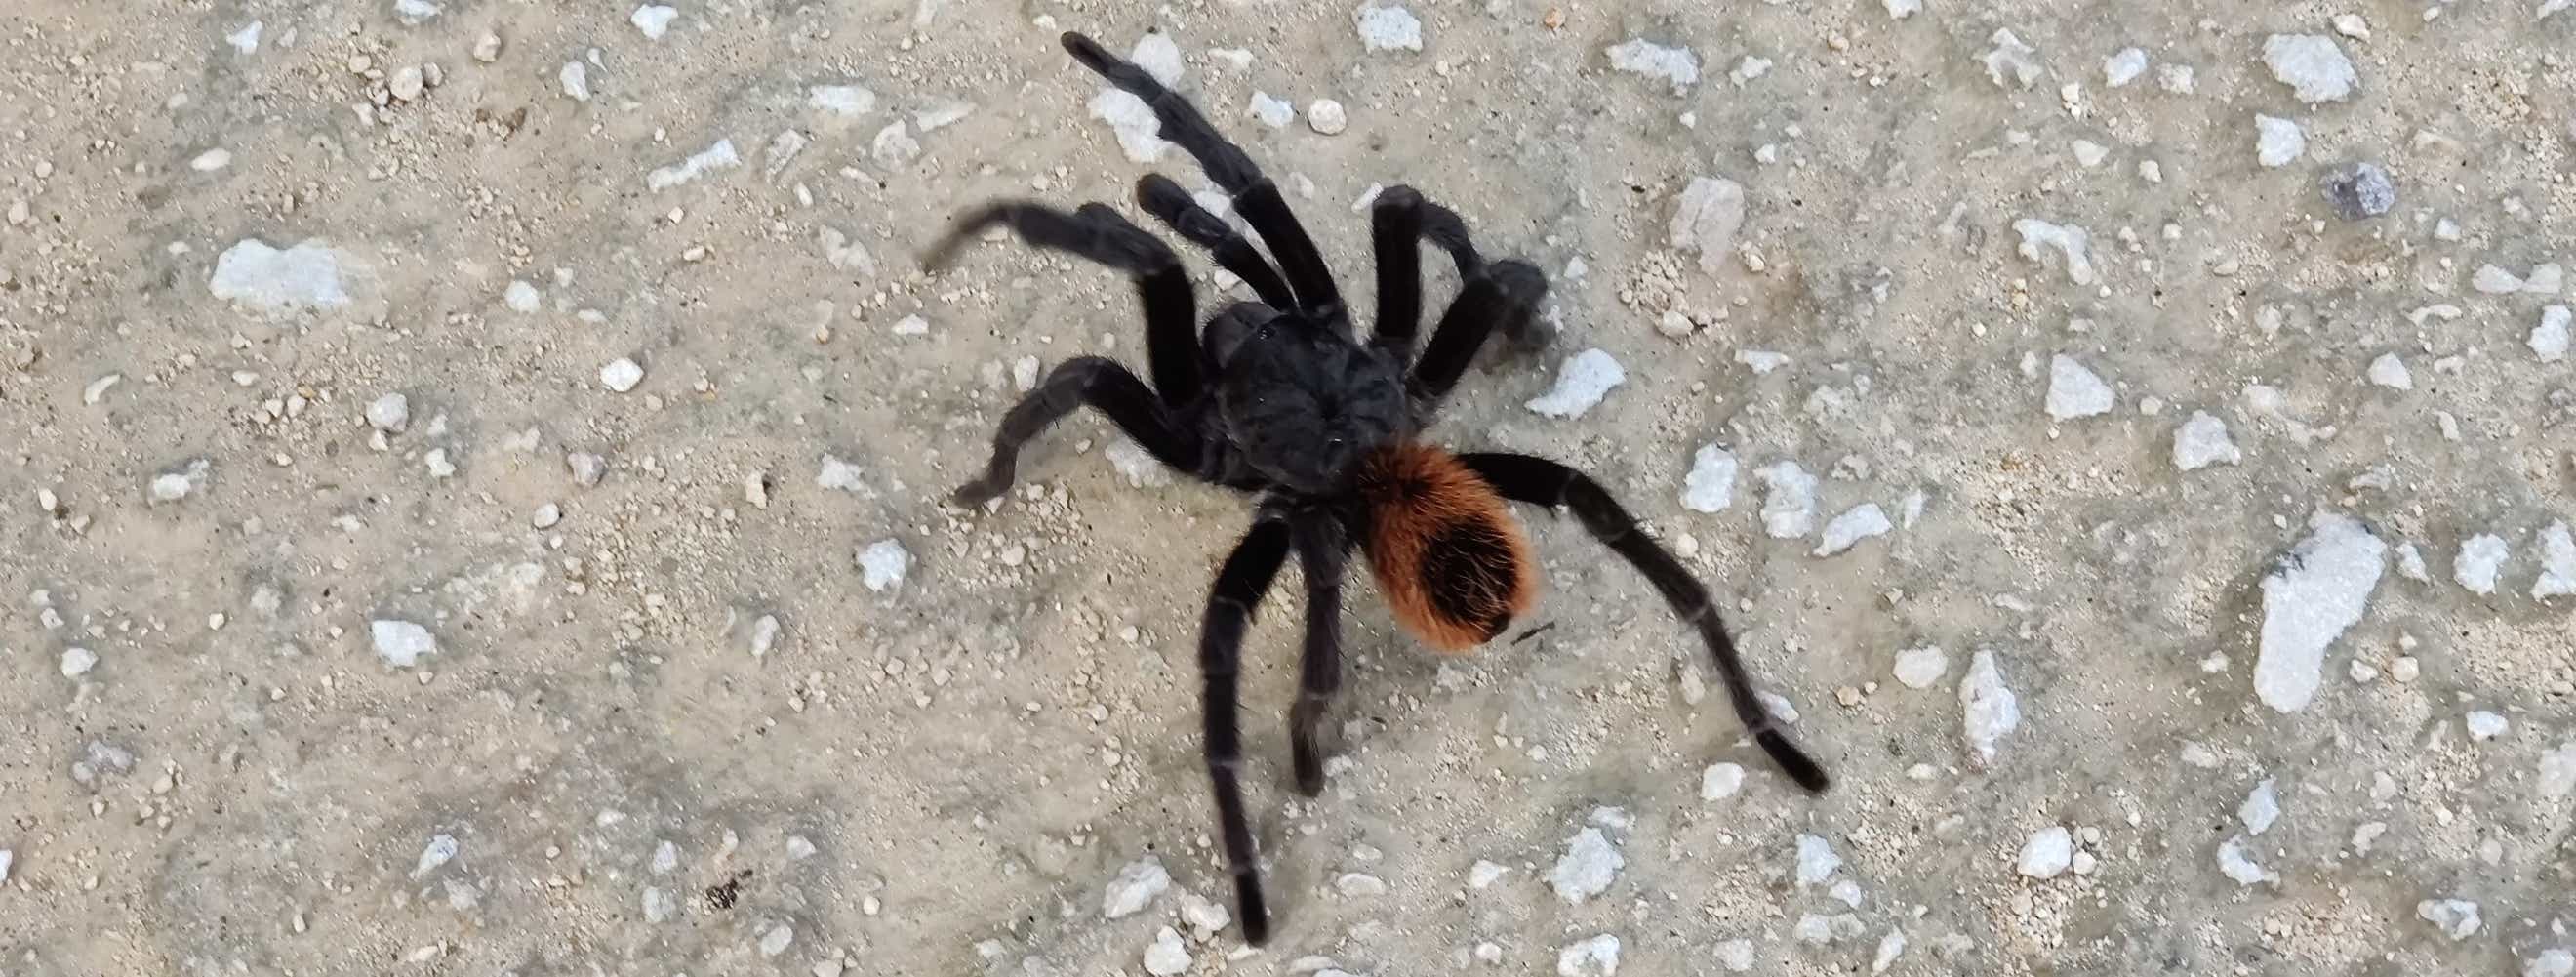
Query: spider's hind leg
x=1503, y=295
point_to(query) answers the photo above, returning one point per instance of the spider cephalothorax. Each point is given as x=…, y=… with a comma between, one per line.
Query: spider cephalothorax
x=1278, y=397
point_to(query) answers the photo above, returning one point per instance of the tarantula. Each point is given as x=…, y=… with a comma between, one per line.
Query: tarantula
x=1278, y=399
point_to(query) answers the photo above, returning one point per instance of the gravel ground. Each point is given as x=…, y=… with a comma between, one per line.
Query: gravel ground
x=474, y=484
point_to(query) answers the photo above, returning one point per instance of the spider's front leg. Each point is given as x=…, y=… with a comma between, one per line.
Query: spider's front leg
x=1239, y=587
x=1106, y=386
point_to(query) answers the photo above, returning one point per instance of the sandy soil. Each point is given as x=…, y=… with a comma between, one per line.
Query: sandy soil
x=215, y=760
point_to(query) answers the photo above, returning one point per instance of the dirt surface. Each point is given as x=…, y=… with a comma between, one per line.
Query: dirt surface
x=547, y=678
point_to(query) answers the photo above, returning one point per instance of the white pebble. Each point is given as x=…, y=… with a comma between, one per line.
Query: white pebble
x=1327, y=116
x=390, y=413
x=1735, y=955
x=1639, y=56
x=840, y=475
x=1890, y=947
x=2486, y=725
x=2481, y=563
x=2549, y=339
x=2319, y=590
x=2010, y=62
x=2047, y=853
x=621, y=375
x=1595, y=957
x=718, y=156
x=78, y=661
x=1134, y=887
x=441, y=850
x=1706, y=219
x=1710, y=486
x=1387, y=26
x=653, y=20
x=1919, y=668
x=658, y=905
x=1168, y=955
x=2390, y=372
x=2557, y=563
x=546, y=516
x=2072, y=243
x=252, y=274
x=1273, y=112
x=1484, y=874
x=1359, y=885
x=2075, y=391
x=2547, y=963
x=2262, y=807
x=1789, y=500
x=2120, y=69
x=2278, y=142
x=764, y=637
x=2203, y=441
x=2312, y=65
x=1855, y=524
x=575, y=79
x=1761, y=361
x=1988, y=710
x=2456, y=918
x=401, y=643
x=2238, y=867
x=211, y=160
x=1816, y=860
x=882, y=565
x=777, y=939
x=1581, y=383
x=7, y=858
x=1896, y=10
x=1720, y=781
x=521, y=297
x=1587, y=868
x=846, y=101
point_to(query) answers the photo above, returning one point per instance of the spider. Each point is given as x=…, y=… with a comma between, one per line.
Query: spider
x=1278, y=398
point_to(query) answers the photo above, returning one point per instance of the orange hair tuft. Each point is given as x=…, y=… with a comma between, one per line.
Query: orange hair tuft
x=1452, y=563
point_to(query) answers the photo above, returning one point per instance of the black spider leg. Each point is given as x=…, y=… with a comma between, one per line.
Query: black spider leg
x=1543, y=482
x=1239, y=587
x=1173, y=206
x=1399, y=222
x=1503, y=295
x=1108, y=387
x=1098, y=233
x=1321, y=549
x=1255, y=197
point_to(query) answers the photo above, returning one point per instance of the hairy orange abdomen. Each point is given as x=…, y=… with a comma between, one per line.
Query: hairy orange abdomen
x=1453, y=565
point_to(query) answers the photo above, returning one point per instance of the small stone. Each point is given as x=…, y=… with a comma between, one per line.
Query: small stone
x=78, y=661
x=2072, y=243
x=1789, y=500
x=2262, y=807
x=575, y=81
x=1205, y=917
x=436, y=461
x=2390, y=372
x=587, y=469
x=882, y=565
x=1735, y=955
x=1273, y=112
x=893, y=145
x=1989, y=710
x=2203, y=441
x=2557, y=563
x=1706, y=219
x=546, y=516
x=2361, y=191
x=2319, y=590
x=2481, y=563
x=1587, y=868
x=1581, y=383
x=407, y=84
x=2484, y=725
x=1359, y=885
x=2277, y=141
x=1710, y=486
x=2047, y=853
x=487, y=48
x=2075, y=391
x=1168, y=955
x=2312, y=65
x=390, y=413
x=764, y=637
x=1327, y=116
x=1720, y=781
x=777, y=939
x=658, y=905
x=2492, y=280
x=621, y=375
x=401, y=643
x=211, y=160
x=847, y=101
x=2456, y=918
x=1134, y=887
x=1860, y=522
x=2125, y=67
x=2010, y=63
x=1890, y=947
x=1816, y=860
x=1386, y=26
x=653, y=20
x=7, y=858
x=1920, y=668
x=2549, y=339
x=441, y=850
x=840, y=475
x=1484, y=874
x=2233, y=863
x=1638, y=56
x=1594, y=957
x=521, y=297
